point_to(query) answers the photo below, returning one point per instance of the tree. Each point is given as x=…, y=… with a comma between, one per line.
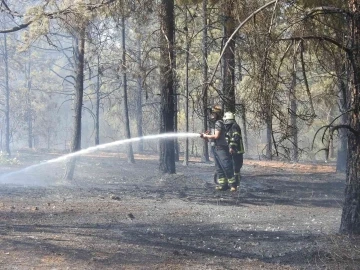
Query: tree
x=228, y=58
x=293, y=108
x=79, y=58
x=205, y=148
x=333, y=16
x=7, y=98
x=350, y=28
x=187, y=48
x=350, y=219
x=130, y=154
x=167, y=27
x=38, y=19
x=139, y=99
x=97, y=103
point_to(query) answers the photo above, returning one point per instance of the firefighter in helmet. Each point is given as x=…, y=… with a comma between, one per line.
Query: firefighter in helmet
x=234, y=139
x=222, y=157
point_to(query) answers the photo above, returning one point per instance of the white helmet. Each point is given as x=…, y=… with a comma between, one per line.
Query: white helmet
x=229, y=116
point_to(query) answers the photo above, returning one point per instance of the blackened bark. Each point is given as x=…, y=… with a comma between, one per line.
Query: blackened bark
x=205, y=151
x=167, y=27
x=350, y=219
x=79, y=56
x=228, y=60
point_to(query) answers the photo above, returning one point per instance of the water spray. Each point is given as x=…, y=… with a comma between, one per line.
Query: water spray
x=103, y=146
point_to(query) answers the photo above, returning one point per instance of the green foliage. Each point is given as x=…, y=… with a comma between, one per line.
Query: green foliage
x=266, y=65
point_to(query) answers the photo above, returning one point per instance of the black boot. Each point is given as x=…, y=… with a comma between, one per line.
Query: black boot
x=222, y=187
x=237, y=180
x=223, y=184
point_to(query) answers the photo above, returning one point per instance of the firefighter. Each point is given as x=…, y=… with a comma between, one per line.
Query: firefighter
x=220, y=148
x=234, y=139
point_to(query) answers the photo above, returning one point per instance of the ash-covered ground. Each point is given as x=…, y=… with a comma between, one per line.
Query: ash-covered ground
x=116, y=215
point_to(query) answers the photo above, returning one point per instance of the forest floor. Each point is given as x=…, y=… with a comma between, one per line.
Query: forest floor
x=116, y=215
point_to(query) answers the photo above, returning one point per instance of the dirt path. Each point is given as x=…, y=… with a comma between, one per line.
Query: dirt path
x=115, y=215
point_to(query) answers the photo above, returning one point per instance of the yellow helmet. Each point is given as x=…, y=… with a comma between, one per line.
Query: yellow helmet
x=216, y=109
x=215, y=113
x=229, y=116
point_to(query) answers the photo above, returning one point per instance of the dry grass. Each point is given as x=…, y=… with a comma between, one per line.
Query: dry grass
x=299, y=167
x=338, y=252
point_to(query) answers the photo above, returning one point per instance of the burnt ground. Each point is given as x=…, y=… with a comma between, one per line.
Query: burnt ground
x=116, y=215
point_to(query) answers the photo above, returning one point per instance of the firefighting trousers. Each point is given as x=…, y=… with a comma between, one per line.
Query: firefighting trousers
x=223, y=162
x=237, y=160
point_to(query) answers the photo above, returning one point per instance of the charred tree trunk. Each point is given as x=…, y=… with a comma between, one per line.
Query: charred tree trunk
x=167, y=27
x=79, y=57
x=205, y=148
x=350, y=219
x=130, y=153
x=228, y=59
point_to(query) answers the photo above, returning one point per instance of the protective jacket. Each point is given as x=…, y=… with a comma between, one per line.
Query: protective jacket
x=233, y=136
